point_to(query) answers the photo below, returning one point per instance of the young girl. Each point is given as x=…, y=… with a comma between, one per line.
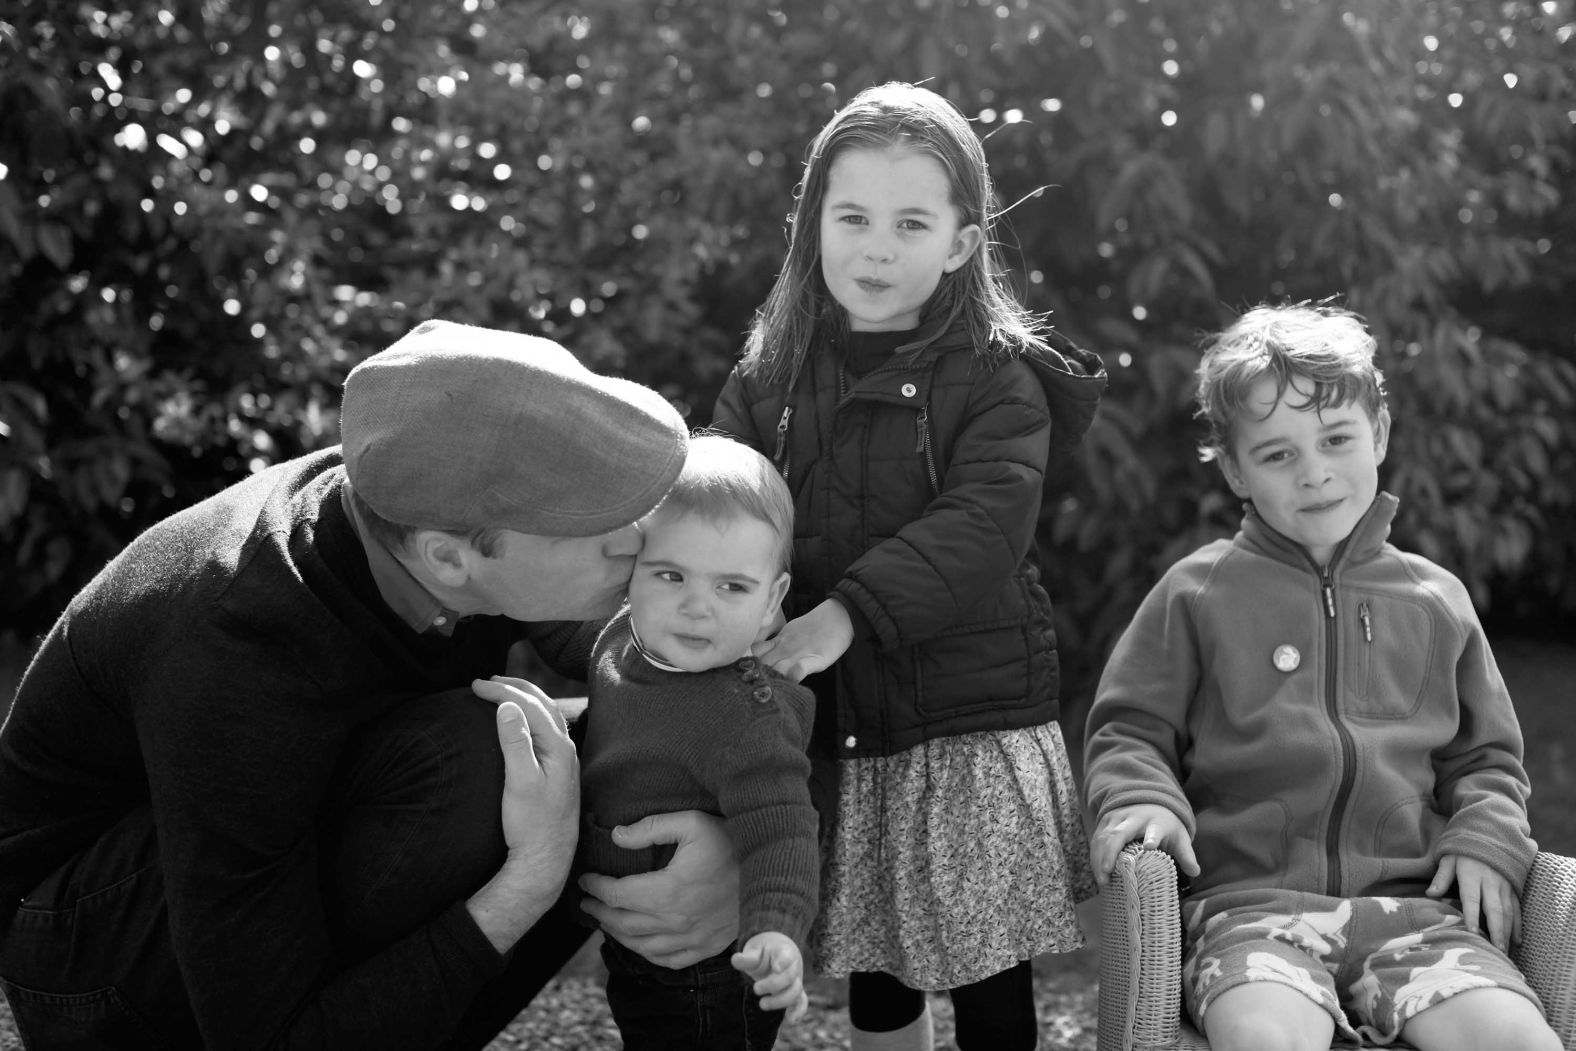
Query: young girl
x=913, y=407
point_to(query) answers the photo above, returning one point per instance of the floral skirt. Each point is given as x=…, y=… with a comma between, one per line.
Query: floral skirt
x=953, y=860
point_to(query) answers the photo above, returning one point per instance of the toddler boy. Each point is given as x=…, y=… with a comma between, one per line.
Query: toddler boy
x=681, y=717
x=1310, y=721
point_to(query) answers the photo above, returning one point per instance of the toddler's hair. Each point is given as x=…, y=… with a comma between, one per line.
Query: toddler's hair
x=723, y=478
x=1329, y=347
x=878, y=118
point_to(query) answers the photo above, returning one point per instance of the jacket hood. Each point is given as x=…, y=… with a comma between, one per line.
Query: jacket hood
x=1073, y=379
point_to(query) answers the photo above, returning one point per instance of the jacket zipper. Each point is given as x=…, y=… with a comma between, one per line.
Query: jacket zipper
x=1343, y=793
x=782, y=456
x=922, y=425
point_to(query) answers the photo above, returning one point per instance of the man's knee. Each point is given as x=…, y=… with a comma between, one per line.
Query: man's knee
x=413, y=819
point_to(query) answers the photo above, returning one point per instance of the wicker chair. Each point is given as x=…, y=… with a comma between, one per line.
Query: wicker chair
x=1141, y=952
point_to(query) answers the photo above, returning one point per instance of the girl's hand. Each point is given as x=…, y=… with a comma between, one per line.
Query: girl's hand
x=810, y=643
x=1487, y=898
x=1149, y=823
x=770, y=629
x=774, y=961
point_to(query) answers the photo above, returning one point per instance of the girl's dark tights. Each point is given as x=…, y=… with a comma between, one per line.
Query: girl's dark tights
x=996, y=1013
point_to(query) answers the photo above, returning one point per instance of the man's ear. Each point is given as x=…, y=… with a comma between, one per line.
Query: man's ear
x=964, y=245
x=1233, y=473
x=445, y=556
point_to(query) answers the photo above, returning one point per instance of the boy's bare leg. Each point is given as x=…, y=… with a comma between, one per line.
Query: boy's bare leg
x=1479, y=1019
x=1267, y=1016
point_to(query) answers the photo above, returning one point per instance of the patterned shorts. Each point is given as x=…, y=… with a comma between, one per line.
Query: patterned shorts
x=1372, y=963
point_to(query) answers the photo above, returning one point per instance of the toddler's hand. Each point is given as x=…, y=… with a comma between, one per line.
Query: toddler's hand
x=1149, y=823
x=1487, y=898
x=774, y=961
x=810, y=643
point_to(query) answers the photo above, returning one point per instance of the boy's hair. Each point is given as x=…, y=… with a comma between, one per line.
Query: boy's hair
x=1323, y=344
x=799, y=305
x=723, y=478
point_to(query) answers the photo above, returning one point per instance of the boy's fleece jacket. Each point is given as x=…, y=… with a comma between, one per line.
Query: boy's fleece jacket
x=917, y=490
x=1387, y=742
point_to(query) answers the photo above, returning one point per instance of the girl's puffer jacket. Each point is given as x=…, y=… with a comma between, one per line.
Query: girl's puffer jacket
x=917, y=489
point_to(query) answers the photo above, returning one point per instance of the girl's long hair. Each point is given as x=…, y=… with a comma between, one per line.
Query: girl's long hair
x=800, y=308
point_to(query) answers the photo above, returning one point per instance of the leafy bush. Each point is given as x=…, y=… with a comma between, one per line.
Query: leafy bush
x=209, y=213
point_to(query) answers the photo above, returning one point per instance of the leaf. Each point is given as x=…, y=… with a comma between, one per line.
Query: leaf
x=54, y=240
x=13, y=495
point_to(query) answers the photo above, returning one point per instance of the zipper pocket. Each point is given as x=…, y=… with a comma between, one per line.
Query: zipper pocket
x=922, y=445
x=781, y=457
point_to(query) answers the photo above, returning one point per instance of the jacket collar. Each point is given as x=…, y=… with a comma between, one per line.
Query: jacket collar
x=1367, y=537
x=1073, y=378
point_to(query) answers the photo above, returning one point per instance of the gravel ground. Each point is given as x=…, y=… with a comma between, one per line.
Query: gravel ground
x=571, y=1013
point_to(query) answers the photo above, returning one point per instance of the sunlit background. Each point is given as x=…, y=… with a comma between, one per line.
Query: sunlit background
x=207, y=217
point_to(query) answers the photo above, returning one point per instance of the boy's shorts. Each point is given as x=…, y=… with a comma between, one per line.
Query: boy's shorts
x=1372, y=963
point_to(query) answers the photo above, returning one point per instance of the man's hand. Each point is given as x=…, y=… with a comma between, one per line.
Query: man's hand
x=810, y=643
x=540, y=811
x=1153, y=825
x=777, y=966
x=678, y=915
x=1487, y=898
x=525, y=686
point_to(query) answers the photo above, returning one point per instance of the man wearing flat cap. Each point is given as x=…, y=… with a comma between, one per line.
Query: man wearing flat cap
x=264, y=783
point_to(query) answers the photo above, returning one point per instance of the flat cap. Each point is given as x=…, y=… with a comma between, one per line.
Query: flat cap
x=460, y=428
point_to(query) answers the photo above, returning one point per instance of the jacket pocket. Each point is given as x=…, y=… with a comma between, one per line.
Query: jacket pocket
x=98, y=1018
x=1403, y=842
x=1241, y=839
x=1389, y=647
x=999, y=666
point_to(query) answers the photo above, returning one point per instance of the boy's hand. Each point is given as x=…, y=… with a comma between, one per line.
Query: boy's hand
x=774, y=961
x=810, y=643
x=1149, y=823
x=1487, y=898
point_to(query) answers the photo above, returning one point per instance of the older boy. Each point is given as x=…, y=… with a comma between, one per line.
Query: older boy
x=681, y=717
x=1311, y=722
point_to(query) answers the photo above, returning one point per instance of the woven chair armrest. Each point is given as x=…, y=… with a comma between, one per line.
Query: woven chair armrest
x=1140, y=954
x=1547, y=951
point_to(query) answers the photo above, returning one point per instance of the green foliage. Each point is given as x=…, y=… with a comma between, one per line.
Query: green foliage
x=210, y=212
